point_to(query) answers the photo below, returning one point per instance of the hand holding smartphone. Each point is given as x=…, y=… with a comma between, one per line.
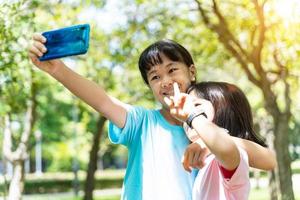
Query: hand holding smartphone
x=69, y=41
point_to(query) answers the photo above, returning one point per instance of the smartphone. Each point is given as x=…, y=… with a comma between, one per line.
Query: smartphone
x=69, y=41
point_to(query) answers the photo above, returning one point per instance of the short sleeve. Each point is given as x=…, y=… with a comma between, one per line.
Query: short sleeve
x=132, y=129
x=240, y=178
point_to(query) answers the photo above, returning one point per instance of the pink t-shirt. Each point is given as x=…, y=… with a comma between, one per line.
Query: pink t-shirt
x=211, y=185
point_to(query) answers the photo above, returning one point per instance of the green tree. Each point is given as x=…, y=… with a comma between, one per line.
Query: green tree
x=18, y=95
x=259, y=60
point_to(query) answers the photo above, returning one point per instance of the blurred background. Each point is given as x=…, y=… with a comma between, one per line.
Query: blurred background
x=56, y=147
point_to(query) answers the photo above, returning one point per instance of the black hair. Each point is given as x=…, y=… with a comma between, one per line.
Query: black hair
x=232, y=109
x=151, y=56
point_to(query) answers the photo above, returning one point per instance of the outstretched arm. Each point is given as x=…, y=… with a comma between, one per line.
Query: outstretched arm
x=88, y=91
x=218, y=141
x=259, y=157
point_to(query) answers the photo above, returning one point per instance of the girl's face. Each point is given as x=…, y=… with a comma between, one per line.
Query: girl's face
x=162, y=76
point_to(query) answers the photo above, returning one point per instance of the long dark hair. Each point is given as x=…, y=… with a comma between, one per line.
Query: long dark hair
x=232, y=109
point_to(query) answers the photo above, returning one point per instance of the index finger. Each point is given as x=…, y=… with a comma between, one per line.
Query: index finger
x=39, y=37
x=176, y=90
x=176, y=94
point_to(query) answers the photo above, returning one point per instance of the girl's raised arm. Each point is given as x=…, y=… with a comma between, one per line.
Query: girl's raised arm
x=259, y=157
x=87, y=90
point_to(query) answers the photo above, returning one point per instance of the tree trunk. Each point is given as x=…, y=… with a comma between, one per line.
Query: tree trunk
x=283, y=171
x=17, y=157
x=17, y=182
x=273, y=185
x=92, y=166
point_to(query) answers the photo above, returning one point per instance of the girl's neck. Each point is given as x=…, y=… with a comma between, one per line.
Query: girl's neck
x=166, y=114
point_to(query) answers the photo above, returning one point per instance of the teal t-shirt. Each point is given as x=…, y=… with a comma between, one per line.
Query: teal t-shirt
x=155, y=149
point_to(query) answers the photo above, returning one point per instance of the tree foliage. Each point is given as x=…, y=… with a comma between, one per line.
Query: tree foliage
x=115, y=45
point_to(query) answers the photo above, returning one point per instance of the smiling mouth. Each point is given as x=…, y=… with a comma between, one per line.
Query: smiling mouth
x=168, y=94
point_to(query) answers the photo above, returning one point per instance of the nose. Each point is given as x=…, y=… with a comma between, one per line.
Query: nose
x=166, y=82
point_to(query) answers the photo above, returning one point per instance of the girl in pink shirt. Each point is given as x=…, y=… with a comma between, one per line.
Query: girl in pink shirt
x=213, y=112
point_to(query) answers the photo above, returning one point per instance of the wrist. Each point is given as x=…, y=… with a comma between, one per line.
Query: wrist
x=193, y=115
x=58, y=70
x=199, y=121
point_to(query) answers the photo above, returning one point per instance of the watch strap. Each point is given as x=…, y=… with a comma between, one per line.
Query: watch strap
x=193, y=115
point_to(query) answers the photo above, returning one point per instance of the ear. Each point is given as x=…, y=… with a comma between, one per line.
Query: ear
x=193, y=72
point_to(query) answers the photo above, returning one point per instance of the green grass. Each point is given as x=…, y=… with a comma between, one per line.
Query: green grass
x=259, y=194
x=108, y=198
x=95, y=198
x=49, y=197
x=255, y=194
x=263, y=194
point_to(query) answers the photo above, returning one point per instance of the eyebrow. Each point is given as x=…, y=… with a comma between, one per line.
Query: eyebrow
x=151, y=72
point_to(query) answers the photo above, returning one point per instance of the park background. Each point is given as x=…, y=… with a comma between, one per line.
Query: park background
x=56, y=147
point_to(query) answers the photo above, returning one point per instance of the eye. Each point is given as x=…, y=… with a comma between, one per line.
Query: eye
x=172, y=70
x=154, y=78
x=197, y=104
